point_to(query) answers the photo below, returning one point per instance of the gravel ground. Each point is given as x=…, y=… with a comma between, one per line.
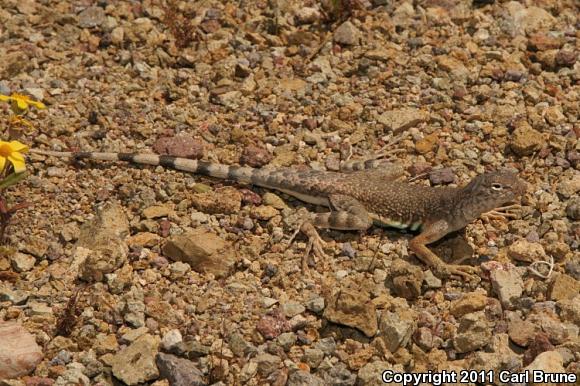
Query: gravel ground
x=117, y=274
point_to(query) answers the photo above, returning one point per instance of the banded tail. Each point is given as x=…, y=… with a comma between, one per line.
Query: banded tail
x=274, y=179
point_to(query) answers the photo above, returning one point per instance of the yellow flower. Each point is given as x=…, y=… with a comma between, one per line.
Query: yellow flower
x=21, y=103
x=11, y=151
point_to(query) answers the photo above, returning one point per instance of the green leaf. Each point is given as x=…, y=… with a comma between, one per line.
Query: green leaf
x=12, y=179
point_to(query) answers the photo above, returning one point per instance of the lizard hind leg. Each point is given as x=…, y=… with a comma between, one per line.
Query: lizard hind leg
x=347, y=214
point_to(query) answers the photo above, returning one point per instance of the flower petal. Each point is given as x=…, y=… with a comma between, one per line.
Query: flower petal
x=2, y=163
x=5, y=98
x=17, y=161
x=37, y=104
x=18, y=146
x=21, y=103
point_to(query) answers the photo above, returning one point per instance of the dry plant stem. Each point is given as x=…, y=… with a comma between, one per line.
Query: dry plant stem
x=5, y=216
x=68, y=317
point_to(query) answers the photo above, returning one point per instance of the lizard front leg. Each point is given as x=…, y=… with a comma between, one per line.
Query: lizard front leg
x=346, y=213
x=431, y=233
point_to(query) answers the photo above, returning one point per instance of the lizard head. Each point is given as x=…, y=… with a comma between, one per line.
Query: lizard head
x=494, y=189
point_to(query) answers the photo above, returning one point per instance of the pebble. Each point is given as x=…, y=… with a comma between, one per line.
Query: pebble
x=92, y=17
x=22, y=262
x=255, y=156
x=508, y=285
x=179, y=371
x=204, y=251
x=353, y=309
x=525, y=140
x=180, y=146
x=315, y=304
x=402, y=119
x=267, y=363
x=347, y=34
x=523, y=250
x=292, y=309
x=304, y=378
x=473, y=333
x=563, y=287
x=136, y=363
x=397, y=327
x=19, y=352
x=171, y=339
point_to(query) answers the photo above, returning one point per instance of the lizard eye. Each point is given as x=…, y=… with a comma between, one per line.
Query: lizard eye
x=496, y=186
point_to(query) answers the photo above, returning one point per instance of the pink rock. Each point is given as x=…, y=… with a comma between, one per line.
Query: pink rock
x=19, y=353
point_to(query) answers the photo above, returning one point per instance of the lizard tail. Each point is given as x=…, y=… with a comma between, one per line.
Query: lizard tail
x=235, y=173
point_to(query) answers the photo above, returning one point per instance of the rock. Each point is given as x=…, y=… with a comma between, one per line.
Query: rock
x=354, y=309
x=347, y=34
x=563, y=287
x=92, y=17
x=271, y=326
x=273, y=200
x=179, y=371
x=136, y=363
x=263, y=212
x=548, y=362
x=73, y=375
x=427, y=144
x=204, y=251
x=402, y=119
x=16, y=297
x=109, y=223
x=442, y=176
x=315, y=305
x=133, y=334
x=397, y=326
x=406, y=279
x=144, y=239
x=524, y=19
x=523, y=250
x=183, y=146
x=21, y=262
x=134, y=309
x=470, y=302
x=474, y=332
x=163, y=312
x=304, y=378
x=226, y=200
x=157, y=211
x=307, y=15
x=521, y=332
x=19, y=353
x=508, y=285
x=286, y=340
x=570, y=186
x=255, y=156
x=500, y=356
x=525, y=140
x=103, y=260
x=554, y=115
x=456, y=70
x=191, y=349
x=570, y=310
x=543, y=42
x=291, y=309
x=171, y=339
x=573, y=209
x=371, y=373
x=267, y=363
x=313, y=357
x=239, y=346
x=229, y=99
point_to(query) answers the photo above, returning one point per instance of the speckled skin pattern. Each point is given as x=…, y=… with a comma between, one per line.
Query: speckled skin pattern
x=360, y=198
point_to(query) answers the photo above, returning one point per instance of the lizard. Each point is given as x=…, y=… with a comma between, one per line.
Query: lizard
x=359, y=198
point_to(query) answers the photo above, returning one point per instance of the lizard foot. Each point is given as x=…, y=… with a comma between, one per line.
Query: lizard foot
x=315, y=244
x=465, y=272
x=502, y=213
